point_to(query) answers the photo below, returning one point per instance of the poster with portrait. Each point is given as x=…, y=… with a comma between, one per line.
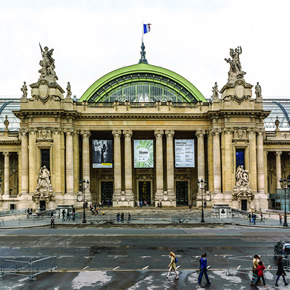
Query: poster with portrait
x=102, y=154
x=184, y=153
x=143, y=154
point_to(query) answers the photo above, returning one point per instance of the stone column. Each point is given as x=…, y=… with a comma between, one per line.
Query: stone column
x=24, y=162
x=260, y=161
x=76, y=161
x=128, y=164
x=117, y=165
x=252, y=160
x=56, y=180
x=159, y=166
x=200, y=155
x=69, y=161
x=228, y=163
x=6, y=173
x=278, y=169
x=170, y=168
x=86, y=162
x=32, y=161
x=216, y=163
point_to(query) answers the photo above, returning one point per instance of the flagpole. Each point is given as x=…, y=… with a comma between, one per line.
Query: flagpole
x=142, y=31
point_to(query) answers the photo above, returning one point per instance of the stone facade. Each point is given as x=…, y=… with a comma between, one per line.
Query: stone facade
x=54, y=126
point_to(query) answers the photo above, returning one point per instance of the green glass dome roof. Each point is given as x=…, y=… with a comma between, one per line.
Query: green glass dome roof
x=142, y=83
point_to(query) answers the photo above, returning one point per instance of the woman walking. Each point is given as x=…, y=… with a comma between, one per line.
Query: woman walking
x=172, y=266
x=280, y=271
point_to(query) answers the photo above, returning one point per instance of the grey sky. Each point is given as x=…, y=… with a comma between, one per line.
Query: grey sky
x=91, y=38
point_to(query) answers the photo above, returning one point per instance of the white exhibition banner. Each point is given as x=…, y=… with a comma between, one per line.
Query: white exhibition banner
x=184, y=153
x=143, y=154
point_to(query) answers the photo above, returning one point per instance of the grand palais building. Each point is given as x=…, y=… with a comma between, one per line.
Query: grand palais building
x=143, y=133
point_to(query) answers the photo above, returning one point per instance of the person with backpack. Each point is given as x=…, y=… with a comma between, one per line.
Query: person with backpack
x=172, y=266
x=203, y=269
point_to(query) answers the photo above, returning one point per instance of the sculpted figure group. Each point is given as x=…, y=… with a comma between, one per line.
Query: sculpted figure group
x=235, y=71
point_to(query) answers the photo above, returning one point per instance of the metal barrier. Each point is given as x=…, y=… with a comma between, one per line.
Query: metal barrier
x=27, y=266
x=244, y=264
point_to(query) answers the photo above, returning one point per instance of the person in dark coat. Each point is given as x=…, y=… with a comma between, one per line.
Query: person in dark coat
x=280, y=271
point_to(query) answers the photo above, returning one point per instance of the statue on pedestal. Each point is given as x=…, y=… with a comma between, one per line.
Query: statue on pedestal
x=215, y=92
x=235, y=71
x=24, y=91
x=47, y=65
x=43, y=188
x=68, y=91
x=258, y=91
x=242, y=188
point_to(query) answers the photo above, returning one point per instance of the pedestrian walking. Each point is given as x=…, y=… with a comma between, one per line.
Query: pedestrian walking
x=172, y=266
x=63, y=215
x=67, y=216
x=261, y=216
x=256, y=261
x=190, y=206
x=129, y=217
x=204, y=204
x=280, y=218
x=122, y=217
x=73, y=216
x=254, y=218
x=203, y=269
x=118, y=217
x=250, y=217
x=260, y=270
x=52, y=221
x=280, y=271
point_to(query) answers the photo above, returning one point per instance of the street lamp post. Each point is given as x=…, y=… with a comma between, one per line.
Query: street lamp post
x=284, y=184
x=84, y=184
x=201, y=184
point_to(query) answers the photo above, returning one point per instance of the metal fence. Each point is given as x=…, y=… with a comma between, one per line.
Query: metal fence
x=244, y=264
x=27, y=266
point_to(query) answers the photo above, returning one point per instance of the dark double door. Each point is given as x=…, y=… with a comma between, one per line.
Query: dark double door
x=145, y=191
x=107, y=191
x=181, y=192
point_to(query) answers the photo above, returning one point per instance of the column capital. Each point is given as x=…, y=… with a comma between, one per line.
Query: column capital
x=6, y=154
x=215, y=132
x=158, y=133
x=128, y=133
x=260, y=131
x=252, y=130
x=56, y=131
x=200, y=133
x=117, y=133
x=278, y=153
x=85, y=133
x=228, y=131
x=169, y=133
x=69, y=131
x=23, y=132
x=32, y=131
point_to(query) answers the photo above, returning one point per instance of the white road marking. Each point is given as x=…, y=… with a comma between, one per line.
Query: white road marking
x=23, y=279
x=177, y=267
x=61, y=257
x=87, y=257
x=86, y=267
x=239, y=267
x=195, y=257
x=116, y=268
x=117, y=256
x=145, y=268
x=144, y=257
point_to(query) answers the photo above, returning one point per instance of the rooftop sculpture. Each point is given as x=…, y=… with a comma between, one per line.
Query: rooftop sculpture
x=235, y=71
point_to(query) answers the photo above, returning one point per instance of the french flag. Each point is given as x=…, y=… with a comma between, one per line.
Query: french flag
x=146, y=28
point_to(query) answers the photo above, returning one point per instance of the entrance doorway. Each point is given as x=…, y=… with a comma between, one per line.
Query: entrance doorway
x=107, y=191
x=244, y=204
x=42, y=205
x=144, y=191
x=181, y=192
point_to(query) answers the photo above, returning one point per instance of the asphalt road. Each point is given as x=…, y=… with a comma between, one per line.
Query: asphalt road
x=137, y=258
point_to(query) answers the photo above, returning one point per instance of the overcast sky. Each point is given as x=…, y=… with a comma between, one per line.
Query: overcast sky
x=191, y=37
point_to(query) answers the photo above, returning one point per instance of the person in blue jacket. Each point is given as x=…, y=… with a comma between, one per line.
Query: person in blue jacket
x=203, y=269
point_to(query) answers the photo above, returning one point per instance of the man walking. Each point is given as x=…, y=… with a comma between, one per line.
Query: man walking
x=203, y=269
x=52, y=221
